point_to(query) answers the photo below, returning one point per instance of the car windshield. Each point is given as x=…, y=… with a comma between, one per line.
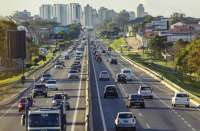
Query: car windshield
x=182, y=95
x=43, y=120
x=51, y=82
x=125, y=115
x=136, y=97
x=145, y=88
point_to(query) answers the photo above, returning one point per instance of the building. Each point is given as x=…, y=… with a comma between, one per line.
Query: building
x=140, y=11
x=95, y=18
x=60, y=13
x=88, y=11
x=180, y=28
x=22, y=16
x=74, y=13
x=46, y=12
x=102, y=14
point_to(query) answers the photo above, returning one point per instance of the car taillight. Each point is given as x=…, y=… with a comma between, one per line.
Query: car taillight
x=19, y=105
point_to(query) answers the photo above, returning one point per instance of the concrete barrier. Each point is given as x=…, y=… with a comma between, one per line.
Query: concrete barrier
x=87, y=94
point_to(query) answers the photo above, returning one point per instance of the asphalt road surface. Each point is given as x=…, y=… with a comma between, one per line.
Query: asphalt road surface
x=10, y=118
x=158, y=114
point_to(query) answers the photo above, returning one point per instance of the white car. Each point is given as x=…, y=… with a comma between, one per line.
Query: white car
x=51, y=85
x=73, y=74
x=125, y=120
x=58, y=66
x=128, y=72
x=181, y=98
x=104, y=75
x=145, y=91
x=45, y=77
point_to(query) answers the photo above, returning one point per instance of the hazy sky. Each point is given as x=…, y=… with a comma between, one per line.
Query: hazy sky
x=154, y=7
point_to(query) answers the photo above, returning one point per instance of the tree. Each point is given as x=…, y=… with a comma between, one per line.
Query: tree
x=188, y=58
x=178, y=45
x=157, y=45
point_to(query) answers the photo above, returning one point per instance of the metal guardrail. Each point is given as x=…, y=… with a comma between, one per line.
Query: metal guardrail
x=196, y=100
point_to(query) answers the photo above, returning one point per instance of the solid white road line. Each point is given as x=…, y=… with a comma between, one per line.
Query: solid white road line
x=78, y=100
x=99, y=99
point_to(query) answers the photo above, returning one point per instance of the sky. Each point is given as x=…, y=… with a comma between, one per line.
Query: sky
x=153, y=7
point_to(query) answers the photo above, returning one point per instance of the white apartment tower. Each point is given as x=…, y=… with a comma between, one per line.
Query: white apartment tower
x=60, y=13
x=46, y=12
x=140, y=11
x=74, y=13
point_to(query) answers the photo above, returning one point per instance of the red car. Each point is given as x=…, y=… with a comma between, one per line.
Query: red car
x=23, y=101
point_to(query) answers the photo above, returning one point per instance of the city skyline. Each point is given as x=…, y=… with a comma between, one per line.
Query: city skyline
x=165, y=8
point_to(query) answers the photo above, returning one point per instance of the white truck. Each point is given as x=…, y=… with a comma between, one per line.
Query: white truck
x=45, y=119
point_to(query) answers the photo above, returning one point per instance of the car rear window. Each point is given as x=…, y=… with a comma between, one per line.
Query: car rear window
x=47, y=75
x=40, y=86
x=104, y=72
x=125, y=115
x=127, y=71
x=73, y=71
x=51, y=82
x=145, y=88
x=136, y=97
x=182, y=95
x=58, y=96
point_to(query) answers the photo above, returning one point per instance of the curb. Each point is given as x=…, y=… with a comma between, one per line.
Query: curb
x=172, y=86
x=87, y=96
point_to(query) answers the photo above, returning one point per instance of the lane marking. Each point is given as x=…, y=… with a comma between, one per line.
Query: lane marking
x=78, y=100
x=148, y=126
x=99, y=100
x=140, y=114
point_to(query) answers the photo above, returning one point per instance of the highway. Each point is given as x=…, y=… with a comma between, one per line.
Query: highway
x=10, y=118
x=158, y=114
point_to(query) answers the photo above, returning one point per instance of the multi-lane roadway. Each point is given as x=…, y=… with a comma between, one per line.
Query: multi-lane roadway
x=158, y=114
x=10, y=117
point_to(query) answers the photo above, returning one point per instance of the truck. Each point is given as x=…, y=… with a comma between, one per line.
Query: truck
x=45, y=119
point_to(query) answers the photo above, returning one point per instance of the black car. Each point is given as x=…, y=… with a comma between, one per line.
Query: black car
x=76, y=67
x=40, y=90
x=136, y=100
x=113, y=61
x=110, y=91
x=121, y=78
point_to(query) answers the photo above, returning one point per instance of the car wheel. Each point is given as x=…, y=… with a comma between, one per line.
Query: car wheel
x=45, y=95
x=116, y=128
x=143, y=106
x=174, y=105
x=187, y=106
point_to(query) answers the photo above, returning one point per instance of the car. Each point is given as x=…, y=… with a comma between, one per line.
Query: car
x=40, y=90
x=76, y=66
x=181, y=98
x=58, y=66
x=77, y=58
x=51, y=85
x=121, y=78
x=145, y=91
x=135, y=100
x=104, y=75
x=61, y=97
x=45, y=77
x=73, y=74
x=23, y=102
x=128, y=72
x=113, y=61
x=110, y=91
x=125, y=120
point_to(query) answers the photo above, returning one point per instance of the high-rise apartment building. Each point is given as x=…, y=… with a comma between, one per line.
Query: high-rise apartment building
x=88, y=16
x=46, y=12
x=60, y=13
x=140, y=11
x=74, y=13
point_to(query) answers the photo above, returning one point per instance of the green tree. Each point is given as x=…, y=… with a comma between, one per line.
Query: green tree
x=157, y=45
